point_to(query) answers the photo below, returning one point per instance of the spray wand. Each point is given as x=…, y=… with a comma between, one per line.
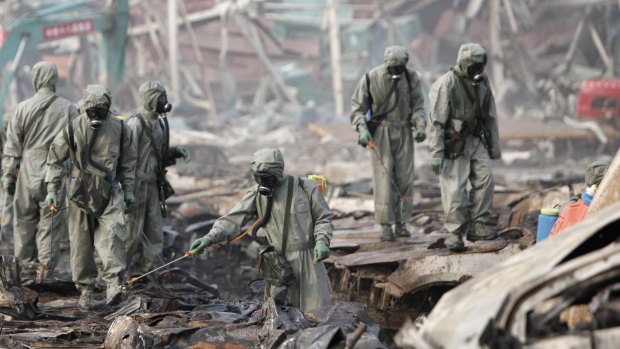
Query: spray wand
x=185, y=255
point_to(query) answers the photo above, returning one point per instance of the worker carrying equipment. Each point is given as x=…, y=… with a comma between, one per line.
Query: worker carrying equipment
x=299, y=228
x=150, y=134
x=102, y=157
x=463, y=140
x=388, y=110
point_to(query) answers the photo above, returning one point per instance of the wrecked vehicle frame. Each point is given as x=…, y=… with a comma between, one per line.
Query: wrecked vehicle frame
x=546, y=296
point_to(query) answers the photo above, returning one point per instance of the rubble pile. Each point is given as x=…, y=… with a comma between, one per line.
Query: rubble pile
x=176, y=313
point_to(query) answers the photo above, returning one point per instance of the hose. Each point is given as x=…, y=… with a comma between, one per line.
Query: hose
x=266, y=216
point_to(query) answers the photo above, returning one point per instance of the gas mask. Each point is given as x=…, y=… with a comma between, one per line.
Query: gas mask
x=266, y=180
x=96, y=116
x=475, y=72
x=396, y=71
x=163, y=106
x=264, y=191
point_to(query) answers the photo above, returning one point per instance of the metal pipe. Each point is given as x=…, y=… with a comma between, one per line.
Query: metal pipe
x=4, y=90
x=334, y=49
x=61, y=7
x=588, y=125
x=173, y=56
x=314, y=6
x=19, y=53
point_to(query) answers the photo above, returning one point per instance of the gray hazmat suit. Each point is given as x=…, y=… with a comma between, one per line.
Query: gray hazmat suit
x=6, y=200
x=310, y=223
x=467, y=139
x=146, y=217
x=111, y=148
x=30, y=133
x=393, y=137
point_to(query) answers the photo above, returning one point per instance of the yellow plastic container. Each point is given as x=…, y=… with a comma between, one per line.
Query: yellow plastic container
x=320, y=181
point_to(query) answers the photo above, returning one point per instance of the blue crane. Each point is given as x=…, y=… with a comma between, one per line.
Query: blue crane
x=58, y=22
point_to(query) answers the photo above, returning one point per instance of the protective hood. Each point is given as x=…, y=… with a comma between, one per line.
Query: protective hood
x=395, y=55
x=149, y=93
x=80, y=106
x=44, y=74
x=270, y=161
x=469, y=54
x=96, y=96
x=595, y=172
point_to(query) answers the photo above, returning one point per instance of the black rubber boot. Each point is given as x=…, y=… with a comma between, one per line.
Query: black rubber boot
x=401, y=230
x=386, y=233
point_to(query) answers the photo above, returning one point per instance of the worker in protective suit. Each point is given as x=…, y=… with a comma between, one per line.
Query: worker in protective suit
x=595, y=172
x=594, y=175
x=303, y=231
x=388, y=114
x=6, y=225
x=149, y=129
x=30, y=133
x=464, y=138
x=102, y=152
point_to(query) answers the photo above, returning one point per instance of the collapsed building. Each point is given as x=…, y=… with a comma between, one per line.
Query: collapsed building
x=264, y=74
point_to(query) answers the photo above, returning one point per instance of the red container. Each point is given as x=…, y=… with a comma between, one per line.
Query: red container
x=570, y=215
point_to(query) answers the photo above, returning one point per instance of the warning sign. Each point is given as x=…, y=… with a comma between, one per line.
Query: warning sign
x=68, y=29
x=3, y=35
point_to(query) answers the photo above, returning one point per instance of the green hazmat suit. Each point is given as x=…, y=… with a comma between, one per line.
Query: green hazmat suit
x=6, y=225
x=6, y=200
x=30, y=133
x=594, y=175
x=145, y=240
x=113, y=150
x=467, y=139
x=310, y=223
x=392, y=158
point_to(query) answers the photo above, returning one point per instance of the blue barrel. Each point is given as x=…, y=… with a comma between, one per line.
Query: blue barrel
x=546, y=220
x=587, y=198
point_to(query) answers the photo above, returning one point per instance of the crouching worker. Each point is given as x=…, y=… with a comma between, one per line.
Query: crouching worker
x=298, y=228
x=101, y=149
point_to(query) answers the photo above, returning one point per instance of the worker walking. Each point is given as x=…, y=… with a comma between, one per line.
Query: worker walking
x=464, y=138
x=30, y=133
x=388, y=110
x=298, y=227
x=150, y=133
x=102, y=153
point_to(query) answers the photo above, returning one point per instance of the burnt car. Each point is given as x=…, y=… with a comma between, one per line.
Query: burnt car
x=562, y=293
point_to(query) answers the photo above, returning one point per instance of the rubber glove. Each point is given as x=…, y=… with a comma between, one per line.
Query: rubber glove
x=130, y=201
x=183, y=153
x=419, y=135
x=51, y=198
x=8, y=182
x=321, y=251
x=437, y=164
x=364, y=138
x=200, y=244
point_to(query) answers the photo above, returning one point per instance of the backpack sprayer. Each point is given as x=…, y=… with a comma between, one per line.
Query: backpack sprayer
x=373, y=122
